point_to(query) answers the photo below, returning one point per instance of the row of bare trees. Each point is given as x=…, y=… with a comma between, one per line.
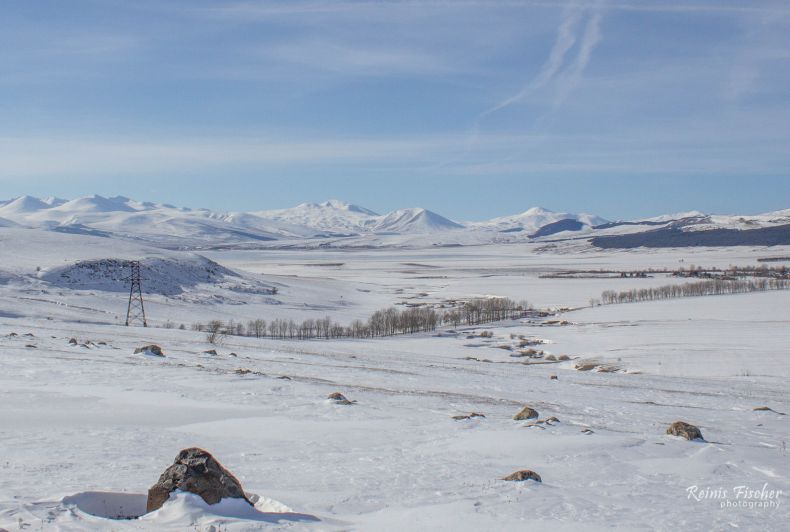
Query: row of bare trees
x=385, y=322
x=700, y=288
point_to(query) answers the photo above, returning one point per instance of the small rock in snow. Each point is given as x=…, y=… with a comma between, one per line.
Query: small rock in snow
x=685, y=430
x=526, y=413
x=152, y=349
x=468, y=416
x=340, y=399
x=523, y=475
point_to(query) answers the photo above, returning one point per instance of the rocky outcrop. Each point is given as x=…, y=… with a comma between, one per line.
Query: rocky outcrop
x=198, y=472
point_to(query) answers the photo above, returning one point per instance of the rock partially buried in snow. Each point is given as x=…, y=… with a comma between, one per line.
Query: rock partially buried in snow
x=468, y=416
x=523, y=475
x=195, y=471
x=152, y=349
x=526, y=413
x=339, y=399
x=685, y=430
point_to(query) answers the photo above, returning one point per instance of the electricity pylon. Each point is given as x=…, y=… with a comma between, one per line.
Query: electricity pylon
x=135, y=312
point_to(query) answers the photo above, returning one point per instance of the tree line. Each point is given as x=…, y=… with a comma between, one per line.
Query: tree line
x=699, y=288
x=386, y=322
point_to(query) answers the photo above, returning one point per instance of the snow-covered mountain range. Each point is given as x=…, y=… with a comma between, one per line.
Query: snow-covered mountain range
x=336, y=224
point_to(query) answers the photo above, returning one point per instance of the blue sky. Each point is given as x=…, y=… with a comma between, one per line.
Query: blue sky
x=471, y=108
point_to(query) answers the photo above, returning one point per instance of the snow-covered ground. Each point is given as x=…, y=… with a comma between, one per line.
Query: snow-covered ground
x=86, y=429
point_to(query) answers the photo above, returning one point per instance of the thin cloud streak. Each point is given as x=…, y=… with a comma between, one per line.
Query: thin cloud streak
x=565, y=40
x=592, y=36
x=552, y=69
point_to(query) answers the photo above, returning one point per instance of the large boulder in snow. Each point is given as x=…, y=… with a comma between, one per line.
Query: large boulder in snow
x=685, y=430
x=195, y=471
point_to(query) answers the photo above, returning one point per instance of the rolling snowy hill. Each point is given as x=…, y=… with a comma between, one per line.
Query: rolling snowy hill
x=535, y=218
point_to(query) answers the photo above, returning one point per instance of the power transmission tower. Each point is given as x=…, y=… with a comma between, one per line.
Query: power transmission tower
x=135, y=312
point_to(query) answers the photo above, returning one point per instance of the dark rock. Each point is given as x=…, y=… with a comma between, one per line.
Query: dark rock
x=30, y=346
x=284, y=377
x=523, y=475
x=468, y=416
x=526, y=413
x=73, y=341
x=553, y=377
x=340, y=399
x=195, y=471
x=152, y=349
x=685, y=430
x=210, y=352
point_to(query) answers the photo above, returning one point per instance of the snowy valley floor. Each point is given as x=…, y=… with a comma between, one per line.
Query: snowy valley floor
x=81, y=419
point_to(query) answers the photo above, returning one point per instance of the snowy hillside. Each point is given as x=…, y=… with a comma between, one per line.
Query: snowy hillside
x=166, y=276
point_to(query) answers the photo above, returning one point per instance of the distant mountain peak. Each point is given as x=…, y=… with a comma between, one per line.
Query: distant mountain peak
x=24, y=204
x=53, y=201
x=339, y=205
x=95, y=203
x=535, y=211
x=415, y=220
